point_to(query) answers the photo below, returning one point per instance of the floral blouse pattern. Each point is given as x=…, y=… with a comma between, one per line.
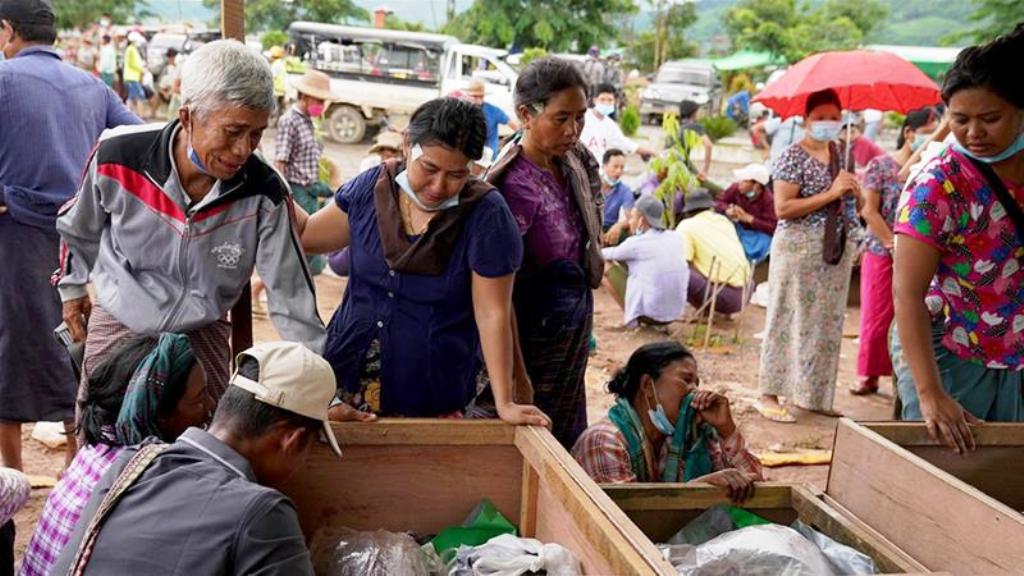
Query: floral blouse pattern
x=952, y=208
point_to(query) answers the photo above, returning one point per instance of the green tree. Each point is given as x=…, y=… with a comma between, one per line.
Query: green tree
x=272, y=38
x=794, y=32
x=555, y=25
x=991, y=19
x=277, y=15
x=83, y=13
x=393, y=22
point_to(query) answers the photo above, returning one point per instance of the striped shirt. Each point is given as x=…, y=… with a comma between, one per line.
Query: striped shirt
x=64, y=506
x=296, y=145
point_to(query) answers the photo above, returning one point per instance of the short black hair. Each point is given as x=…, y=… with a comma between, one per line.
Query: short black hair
x=107, y=385
x=455, y=123
x=821, y=98
x=249, y=418
x=649, y=359
x=611, y=153
x=605, y=88
x=543, y=78
x=990, y=66
x=34, y=33
x=688, y=108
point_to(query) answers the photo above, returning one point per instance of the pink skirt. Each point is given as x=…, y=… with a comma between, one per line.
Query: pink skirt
x=876, y=314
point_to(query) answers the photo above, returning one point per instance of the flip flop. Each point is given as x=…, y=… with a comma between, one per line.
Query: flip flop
x=863, y=389
x=775, y=414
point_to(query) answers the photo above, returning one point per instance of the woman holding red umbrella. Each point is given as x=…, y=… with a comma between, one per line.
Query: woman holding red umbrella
x=962, y=223
x=810, y=273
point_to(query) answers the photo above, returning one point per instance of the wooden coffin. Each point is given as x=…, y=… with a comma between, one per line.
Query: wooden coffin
x=955, y=513
x=660, y=510
x=422, y=476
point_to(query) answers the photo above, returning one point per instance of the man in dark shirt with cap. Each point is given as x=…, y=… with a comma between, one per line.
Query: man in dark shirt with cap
x=207, y=504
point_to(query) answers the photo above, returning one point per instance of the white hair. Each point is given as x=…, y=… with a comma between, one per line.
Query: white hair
x=226, y=73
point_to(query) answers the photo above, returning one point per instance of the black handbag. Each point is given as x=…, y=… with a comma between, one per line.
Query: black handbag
x=834, y=243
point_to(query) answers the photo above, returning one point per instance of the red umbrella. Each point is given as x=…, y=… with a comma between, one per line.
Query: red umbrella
x=878, y=80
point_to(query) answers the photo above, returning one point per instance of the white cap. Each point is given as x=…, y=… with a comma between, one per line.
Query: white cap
x=756, y=172
x=292, y=378
x=136, y=38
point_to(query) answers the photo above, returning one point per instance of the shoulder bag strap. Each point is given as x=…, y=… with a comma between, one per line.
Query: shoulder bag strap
x=1013, y=209
x=131, y=472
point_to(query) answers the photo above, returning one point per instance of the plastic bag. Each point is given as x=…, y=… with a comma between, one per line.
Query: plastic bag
x=843, y=559
x=483, y=523
x=764, y=550
x=340, y=551
x=507, y=555
x=714, y=522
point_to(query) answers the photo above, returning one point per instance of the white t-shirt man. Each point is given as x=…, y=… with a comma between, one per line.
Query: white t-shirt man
x=601, y=133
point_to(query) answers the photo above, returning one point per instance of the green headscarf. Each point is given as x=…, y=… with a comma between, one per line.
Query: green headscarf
x=689, y=440
x=167, y=364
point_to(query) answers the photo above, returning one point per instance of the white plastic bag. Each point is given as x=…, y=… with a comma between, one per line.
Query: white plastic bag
x=507, y=555
x=766, y=550
x=340, y=551
x=844, y=560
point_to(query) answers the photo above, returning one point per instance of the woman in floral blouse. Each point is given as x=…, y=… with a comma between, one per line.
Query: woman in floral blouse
x=882, y=189
x=967, y=353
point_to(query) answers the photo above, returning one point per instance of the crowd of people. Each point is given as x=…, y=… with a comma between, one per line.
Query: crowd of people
x=471, y=276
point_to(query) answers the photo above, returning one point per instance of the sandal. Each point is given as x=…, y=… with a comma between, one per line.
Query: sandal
x=775, y=414
x=862, y=388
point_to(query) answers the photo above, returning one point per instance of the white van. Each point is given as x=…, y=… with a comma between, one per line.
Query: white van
x=380, y=72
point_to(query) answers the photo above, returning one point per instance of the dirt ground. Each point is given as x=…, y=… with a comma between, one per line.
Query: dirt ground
x=729, y=367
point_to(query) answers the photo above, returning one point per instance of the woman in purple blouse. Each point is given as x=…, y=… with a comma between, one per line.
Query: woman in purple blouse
x=552, y=185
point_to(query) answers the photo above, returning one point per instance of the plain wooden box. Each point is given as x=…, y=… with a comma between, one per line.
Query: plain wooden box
x=424, y=475
x=950, y=512
x=660, y=510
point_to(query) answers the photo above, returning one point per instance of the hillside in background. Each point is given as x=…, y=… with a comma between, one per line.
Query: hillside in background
x=911, y=22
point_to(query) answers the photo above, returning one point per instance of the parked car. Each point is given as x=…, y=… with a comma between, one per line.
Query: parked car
x=382, y=73
x=679, y=80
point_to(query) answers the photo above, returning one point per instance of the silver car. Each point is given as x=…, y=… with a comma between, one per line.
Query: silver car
x=680, y=80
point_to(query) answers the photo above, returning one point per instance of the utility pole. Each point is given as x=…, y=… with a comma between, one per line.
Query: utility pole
x=450, y=11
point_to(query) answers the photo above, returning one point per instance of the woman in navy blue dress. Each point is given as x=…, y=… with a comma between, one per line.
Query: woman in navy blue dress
x=424, y=329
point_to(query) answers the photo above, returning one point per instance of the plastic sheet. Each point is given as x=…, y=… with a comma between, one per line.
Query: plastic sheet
x=340, y=551
x=507, y=555
x=843, y=559
x=764, y=550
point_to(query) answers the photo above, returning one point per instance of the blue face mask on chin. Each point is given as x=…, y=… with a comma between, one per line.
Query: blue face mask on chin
x=659, y=418
x=1010, y=151
x=825, y=130
x=192, y=154
x=605, y=109
x=402, y=179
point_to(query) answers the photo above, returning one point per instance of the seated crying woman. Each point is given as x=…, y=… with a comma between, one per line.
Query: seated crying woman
x=664, y=428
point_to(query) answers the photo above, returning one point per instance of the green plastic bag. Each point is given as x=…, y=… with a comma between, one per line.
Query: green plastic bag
x=743, y=518
x=483, y=523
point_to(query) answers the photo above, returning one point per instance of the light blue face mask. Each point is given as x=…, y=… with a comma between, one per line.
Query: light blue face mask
x=605, y=109
x=192, y=154
x=825, y=130
x=402, y=179
x=919, y=141
x=609, y=181
x=659, y=418
x=1013, y=149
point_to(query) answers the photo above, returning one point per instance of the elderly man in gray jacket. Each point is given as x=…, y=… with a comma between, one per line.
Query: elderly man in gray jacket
x=171, y=221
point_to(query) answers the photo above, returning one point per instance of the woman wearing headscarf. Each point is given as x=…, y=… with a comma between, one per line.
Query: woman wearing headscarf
x=170, y=222
x=147, y=388
x=553, y=186
x=882, y=188
x=812, y=257
x=425, y=323
x=959, y=263
x=664, y=428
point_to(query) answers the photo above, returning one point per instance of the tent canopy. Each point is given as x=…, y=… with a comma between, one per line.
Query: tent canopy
x=747, y=59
